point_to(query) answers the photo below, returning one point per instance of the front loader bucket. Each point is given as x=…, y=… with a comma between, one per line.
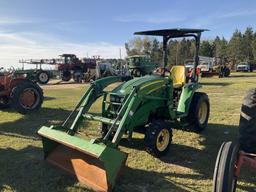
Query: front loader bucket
x=93, y=164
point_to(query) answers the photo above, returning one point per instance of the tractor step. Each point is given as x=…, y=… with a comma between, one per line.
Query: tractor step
x=100, y=118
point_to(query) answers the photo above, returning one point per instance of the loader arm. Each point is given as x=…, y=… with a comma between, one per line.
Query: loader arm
x=90, y=96
x=127, y=111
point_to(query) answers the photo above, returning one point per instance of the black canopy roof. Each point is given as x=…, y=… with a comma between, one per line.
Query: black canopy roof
x=178, y=32
x=67, y=55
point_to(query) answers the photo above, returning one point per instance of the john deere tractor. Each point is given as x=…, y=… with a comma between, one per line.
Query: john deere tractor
x=140, y=65
x=156, y=103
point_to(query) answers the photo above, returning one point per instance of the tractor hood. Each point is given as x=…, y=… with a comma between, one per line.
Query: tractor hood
x=125, y=88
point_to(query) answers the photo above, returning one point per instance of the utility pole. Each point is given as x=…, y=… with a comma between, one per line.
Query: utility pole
x=120, y=53
x=120, y=59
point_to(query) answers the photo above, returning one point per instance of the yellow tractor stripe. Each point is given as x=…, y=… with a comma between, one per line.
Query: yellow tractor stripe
x=152, y=83
x=153, y=90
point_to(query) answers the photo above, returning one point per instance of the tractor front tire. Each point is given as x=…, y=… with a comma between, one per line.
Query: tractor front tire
x=247, y=128
x=104, y=131
x=42, y=77
x=4, y=102
x=199, y=112
x=26, y=97
x=78, y=76
x=224, y=178
x=158, y=138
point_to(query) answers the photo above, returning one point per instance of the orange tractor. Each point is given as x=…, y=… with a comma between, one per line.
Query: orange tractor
x=18, y=92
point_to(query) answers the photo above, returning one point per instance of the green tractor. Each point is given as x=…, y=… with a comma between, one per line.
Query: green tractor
x=156, y=103
x=140, y=65
x=36, y=75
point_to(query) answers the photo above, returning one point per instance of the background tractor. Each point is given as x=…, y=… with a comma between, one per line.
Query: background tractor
x=210, y=66
x=68, y=65
x=20, y=93
x=233, y=156
x=72, y=67
x=155, y=103
x=37, y=75
x=140, y=65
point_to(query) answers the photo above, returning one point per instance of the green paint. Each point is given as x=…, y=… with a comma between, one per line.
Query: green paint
x=136, y=99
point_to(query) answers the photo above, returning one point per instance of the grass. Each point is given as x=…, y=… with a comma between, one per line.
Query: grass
x=187, y=167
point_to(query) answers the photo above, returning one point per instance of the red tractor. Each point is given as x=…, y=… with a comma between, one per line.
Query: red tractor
x=72, y=67
x=20, y=93
x=233, y=156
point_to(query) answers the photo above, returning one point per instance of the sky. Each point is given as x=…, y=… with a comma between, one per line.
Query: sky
x=47, y=28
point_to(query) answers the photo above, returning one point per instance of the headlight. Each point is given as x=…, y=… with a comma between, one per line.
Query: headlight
x=112, y=99
x=116, y=99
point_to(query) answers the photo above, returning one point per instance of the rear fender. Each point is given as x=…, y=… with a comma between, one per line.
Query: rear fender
x=15, y=82
x=186, y=98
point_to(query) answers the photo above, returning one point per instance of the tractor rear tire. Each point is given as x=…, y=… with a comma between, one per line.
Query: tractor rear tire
x=226, y=72
x=65, y=75
x=158, y=138
x=224, y=178
x=42, y=77
x=199, y=112
x=247, y=124
x=21, y=102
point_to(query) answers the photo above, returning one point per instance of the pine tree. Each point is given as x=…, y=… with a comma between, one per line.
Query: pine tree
x=247, y=44
x=235, y=48
x=156, y=52
x=206, y=49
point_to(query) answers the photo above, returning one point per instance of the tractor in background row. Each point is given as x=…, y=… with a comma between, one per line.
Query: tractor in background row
x=38, y=74
x=20, y=93
x=140, y=65
x=210, y=66
x=68, y=66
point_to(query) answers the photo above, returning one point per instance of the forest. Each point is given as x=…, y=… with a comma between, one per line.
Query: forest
x=239, y=48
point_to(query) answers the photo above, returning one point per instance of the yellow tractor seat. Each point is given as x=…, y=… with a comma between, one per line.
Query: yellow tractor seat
x=178, y=76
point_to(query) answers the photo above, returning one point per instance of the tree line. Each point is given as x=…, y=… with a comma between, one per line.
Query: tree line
x=241, y=47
